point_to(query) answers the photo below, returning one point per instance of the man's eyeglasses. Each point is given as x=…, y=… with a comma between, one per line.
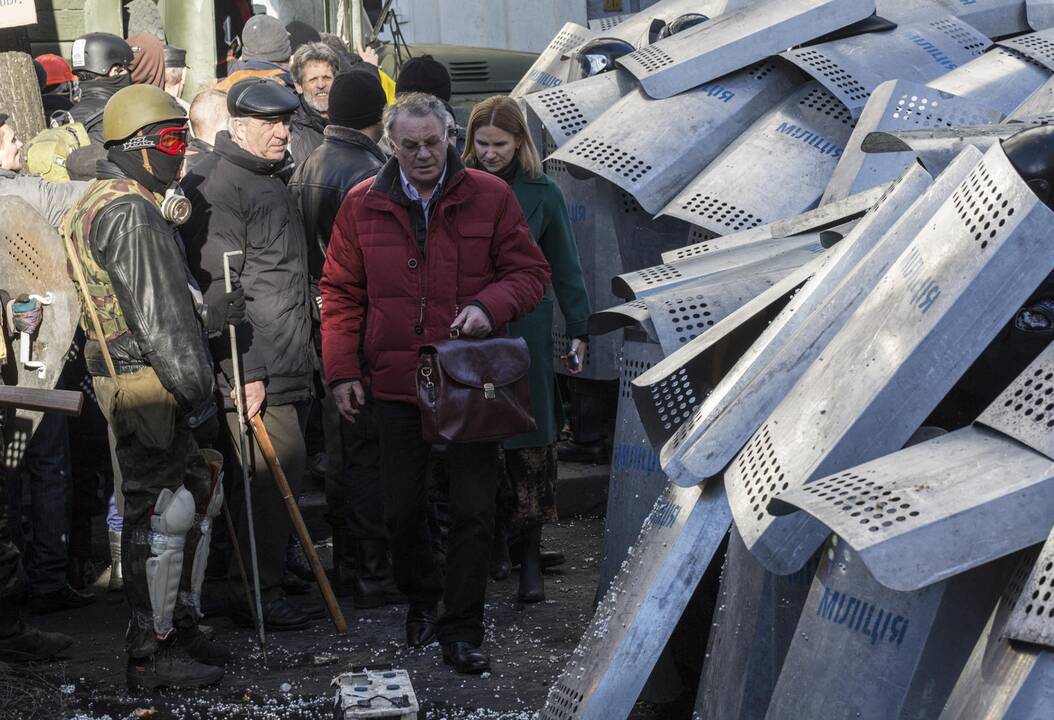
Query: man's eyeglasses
x=171, y=141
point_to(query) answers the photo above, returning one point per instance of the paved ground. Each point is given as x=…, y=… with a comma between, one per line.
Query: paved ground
x=529, y=646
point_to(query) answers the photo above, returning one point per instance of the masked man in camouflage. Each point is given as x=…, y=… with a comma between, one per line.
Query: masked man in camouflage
x=153, y=377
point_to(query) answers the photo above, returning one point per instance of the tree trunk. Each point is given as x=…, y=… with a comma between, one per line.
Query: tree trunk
x=20, y=94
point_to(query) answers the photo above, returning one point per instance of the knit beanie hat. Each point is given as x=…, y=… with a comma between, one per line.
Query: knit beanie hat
x=356, y=100
x=300, y=33
x=424, y=74
x=264, y=38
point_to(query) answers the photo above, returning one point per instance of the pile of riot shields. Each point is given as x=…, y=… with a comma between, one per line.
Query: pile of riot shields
x=817, y=275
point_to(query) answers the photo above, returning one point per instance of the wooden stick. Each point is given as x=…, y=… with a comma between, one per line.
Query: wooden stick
x=264, y=441
x=64, y=402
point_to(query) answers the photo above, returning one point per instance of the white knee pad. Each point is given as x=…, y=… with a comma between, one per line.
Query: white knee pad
x=204, y=523
x=173, y=516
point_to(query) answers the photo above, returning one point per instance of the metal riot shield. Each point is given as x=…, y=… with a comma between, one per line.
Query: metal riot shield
x=636, y=478
x=630, y=314
x=864, y=651
x=642, y=238
x=768, y=370
x=751, y=390
x=669, y=393
x=968, y=270
x=565, y=110
x=1037, y=46
x=636, y=29
x=1040, y=14
x=550, y=69
x=935, y=149
x=602, y=26
x=737, y=39
x=934, y=510
x=591, y=221
x=823, y=217
x=624, y=147
x=752, y=631
x=794, y=147
x=851, y=68
x=1037, y=107
x=898, y=105
x=995, y=18
x=33, y=263
x=684, y=312
x=765, y=255
x=1003, y=678
x=634, y=621
x=1001, y=79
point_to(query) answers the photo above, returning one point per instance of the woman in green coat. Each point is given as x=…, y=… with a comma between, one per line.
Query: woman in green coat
x=498, y=141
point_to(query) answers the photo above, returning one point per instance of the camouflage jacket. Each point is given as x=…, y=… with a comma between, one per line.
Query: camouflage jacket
x=136, y=273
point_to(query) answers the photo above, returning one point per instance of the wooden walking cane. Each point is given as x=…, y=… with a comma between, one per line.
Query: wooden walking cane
x=264, y=441
x=246, y=459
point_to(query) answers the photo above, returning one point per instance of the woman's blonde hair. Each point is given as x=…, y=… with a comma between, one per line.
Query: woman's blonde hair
x=503, y=113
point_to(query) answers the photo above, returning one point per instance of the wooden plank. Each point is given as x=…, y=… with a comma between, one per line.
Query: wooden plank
x=65, y=402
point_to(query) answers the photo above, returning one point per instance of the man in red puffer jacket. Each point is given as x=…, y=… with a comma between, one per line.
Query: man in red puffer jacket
x=425, y=247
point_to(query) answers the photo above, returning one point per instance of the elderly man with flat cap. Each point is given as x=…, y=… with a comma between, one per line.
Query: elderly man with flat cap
x=241, y=204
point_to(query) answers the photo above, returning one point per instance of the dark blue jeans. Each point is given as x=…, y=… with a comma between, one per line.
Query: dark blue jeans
x=47, y=465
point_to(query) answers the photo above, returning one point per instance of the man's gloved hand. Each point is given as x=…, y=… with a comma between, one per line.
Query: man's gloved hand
x=205, y=434
x=228, y=310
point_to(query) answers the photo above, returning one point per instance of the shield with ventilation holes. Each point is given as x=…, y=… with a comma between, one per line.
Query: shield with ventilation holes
x=33, y=263
x=899, y=105
x=735, y=40
x=968, y=269
x=622, y=145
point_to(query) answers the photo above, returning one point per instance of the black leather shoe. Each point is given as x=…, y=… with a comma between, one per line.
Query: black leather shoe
x=278, y=615
x=292, y=584
x=466, y=658
x=65, y=598
x=421, y=625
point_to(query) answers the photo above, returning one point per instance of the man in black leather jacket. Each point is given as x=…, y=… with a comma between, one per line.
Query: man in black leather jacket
x=153, y=377
x=100, y=61
x=348, y=155
x=241, y=205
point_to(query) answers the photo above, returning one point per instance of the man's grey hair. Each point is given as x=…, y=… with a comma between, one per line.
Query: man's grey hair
x=312, y=52
x=208, y=114
x=417, y=105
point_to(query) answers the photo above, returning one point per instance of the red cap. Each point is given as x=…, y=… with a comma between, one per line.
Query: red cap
x=57, y=69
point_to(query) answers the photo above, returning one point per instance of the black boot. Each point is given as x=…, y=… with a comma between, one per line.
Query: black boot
x=532, y=587
x=200, y=646
x=500, y=562
x=374, y=585
x=170, y=667
x=342, y=576
x=24, y=643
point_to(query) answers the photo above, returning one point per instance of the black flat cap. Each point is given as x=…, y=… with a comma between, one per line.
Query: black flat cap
x=175, y=57
x=260, y=97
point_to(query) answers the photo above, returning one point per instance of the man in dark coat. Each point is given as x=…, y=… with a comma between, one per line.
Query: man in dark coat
x=100, y=61
x=348, y=155
x=424, y=248
x=313, y=68
x=242, y=206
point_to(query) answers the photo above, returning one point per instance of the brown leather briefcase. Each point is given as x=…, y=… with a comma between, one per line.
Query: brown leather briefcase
x=474, y=390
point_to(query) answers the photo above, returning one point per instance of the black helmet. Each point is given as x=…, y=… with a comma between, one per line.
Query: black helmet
x=1031, y=152
x=682, y=23
x=599, y=56
x=98, y=52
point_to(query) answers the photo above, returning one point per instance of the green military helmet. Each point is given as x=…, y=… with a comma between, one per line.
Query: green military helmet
x=136, y=107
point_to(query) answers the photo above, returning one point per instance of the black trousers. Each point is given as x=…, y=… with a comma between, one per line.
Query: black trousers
x=473, y=484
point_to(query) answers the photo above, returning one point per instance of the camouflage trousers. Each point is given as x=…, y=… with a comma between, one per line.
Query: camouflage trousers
x=155, y=451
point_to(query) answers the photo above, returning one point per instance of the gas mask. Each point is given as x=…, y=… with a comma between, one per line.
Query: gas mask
x=175, y=207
